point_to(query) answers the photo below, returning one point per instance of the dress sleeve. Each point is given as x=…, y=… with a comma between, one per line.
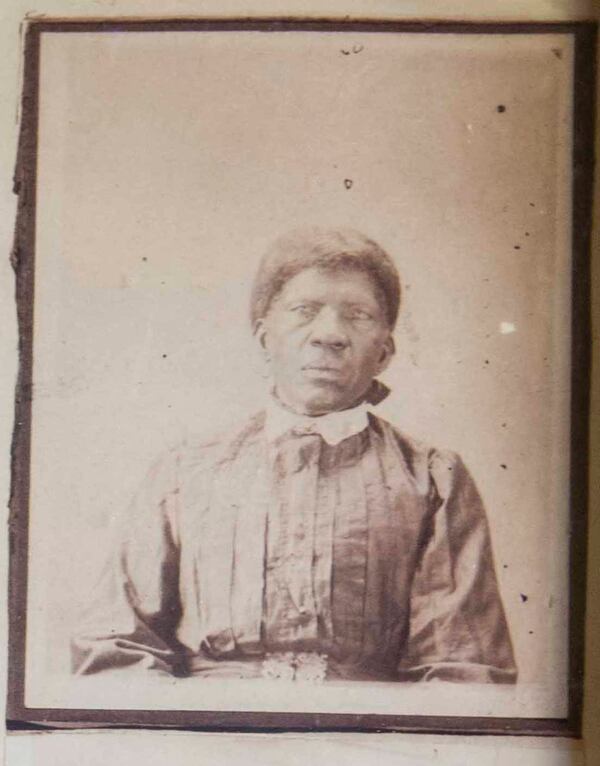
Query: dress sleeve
x=132, y=615
x=458, y=630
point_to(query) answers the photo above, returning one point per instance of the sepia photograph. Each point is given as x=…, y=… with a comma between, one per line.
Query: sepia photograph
x=302, y=402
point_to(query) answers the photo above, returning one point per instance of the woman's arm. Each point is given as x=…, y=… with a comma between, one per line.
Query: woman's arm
x=133, y=613
x=458, y=630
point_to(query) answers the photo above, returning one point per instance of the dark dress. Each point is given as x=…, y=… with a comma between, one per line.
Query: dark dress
x=367, y=560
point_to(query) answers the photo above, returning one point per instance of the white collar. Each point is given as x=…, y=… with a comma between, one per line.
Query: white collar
x=333, y=427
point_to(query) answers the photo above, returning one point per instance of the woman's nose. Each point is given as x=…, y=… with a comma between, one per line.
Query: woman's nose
x=328, y=330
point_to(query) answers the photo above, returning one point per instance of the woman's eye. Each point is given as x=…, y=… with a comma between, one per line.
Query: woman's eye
x=304, y=309
x=359, y=315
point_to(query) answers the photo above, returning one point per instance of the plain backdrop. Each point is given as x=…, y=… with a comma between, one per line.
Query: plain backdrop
x=66, y=748
x=169, y=161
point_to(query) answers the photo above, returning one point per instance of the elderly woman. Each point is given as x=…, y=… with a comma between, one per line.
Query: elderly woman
x=317, y=541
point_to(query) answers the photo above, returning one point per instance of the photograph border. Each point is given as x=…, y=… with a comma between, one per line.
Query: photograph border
x=23, y=261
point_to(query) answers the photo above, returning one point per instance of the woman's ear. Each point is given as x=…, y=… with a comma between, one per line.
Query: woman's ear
x=387, y=352
x=260, y=333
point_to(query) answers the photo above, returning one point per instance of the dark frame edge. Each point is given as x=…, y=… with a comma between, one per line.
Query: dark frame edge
x=273, y=722
x=22, y=261
x=584, y=98
x=285, y=23
x=20, y=717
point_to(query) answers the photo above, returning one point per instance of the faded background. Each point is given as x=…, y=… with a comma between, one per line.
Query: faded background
x=120, y=747
x=167, y=164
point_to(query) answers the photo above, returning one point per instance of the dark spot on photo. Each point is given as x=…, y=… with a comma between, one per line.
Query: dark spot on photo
x=517, y=247
x=500, y=108
x=348, y=183
x=344, y=52
x=144, y=258
x=503, y=465
x=487, y=361
x=524, y=597
x=532, y=204
x=526, y=233
x=357, y=48
x=557, y=52
x=164, y=356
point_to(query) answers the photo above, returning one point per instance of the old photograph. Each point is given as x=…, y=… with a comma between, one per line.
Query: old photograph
x=304, y=363
x=316, y=541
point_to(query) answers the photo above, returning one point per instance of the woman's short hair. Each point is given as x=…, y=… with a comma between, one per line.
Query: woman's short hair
x=328, y=249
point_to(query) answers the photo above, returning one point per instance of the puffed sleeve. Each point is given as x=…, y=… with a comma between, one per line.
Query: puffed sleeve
x=131, y=619
x=458, y=630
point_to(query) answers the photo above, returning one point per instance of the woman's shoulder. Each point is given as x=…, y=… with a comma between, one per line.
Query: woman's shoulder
x=439, y=462
x=198, y=452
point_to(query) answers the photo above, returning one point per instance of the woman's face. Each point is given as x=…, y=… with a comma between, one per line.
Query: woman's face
x=325, y=338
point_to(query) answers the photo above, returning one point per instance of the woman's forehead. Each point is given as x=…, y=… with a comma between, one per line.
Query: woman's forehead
x=340, y=284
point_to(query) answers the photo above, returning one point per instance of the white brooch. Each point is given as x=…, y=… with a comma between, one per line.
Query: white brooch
x=279, y=666
x=309, y=667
